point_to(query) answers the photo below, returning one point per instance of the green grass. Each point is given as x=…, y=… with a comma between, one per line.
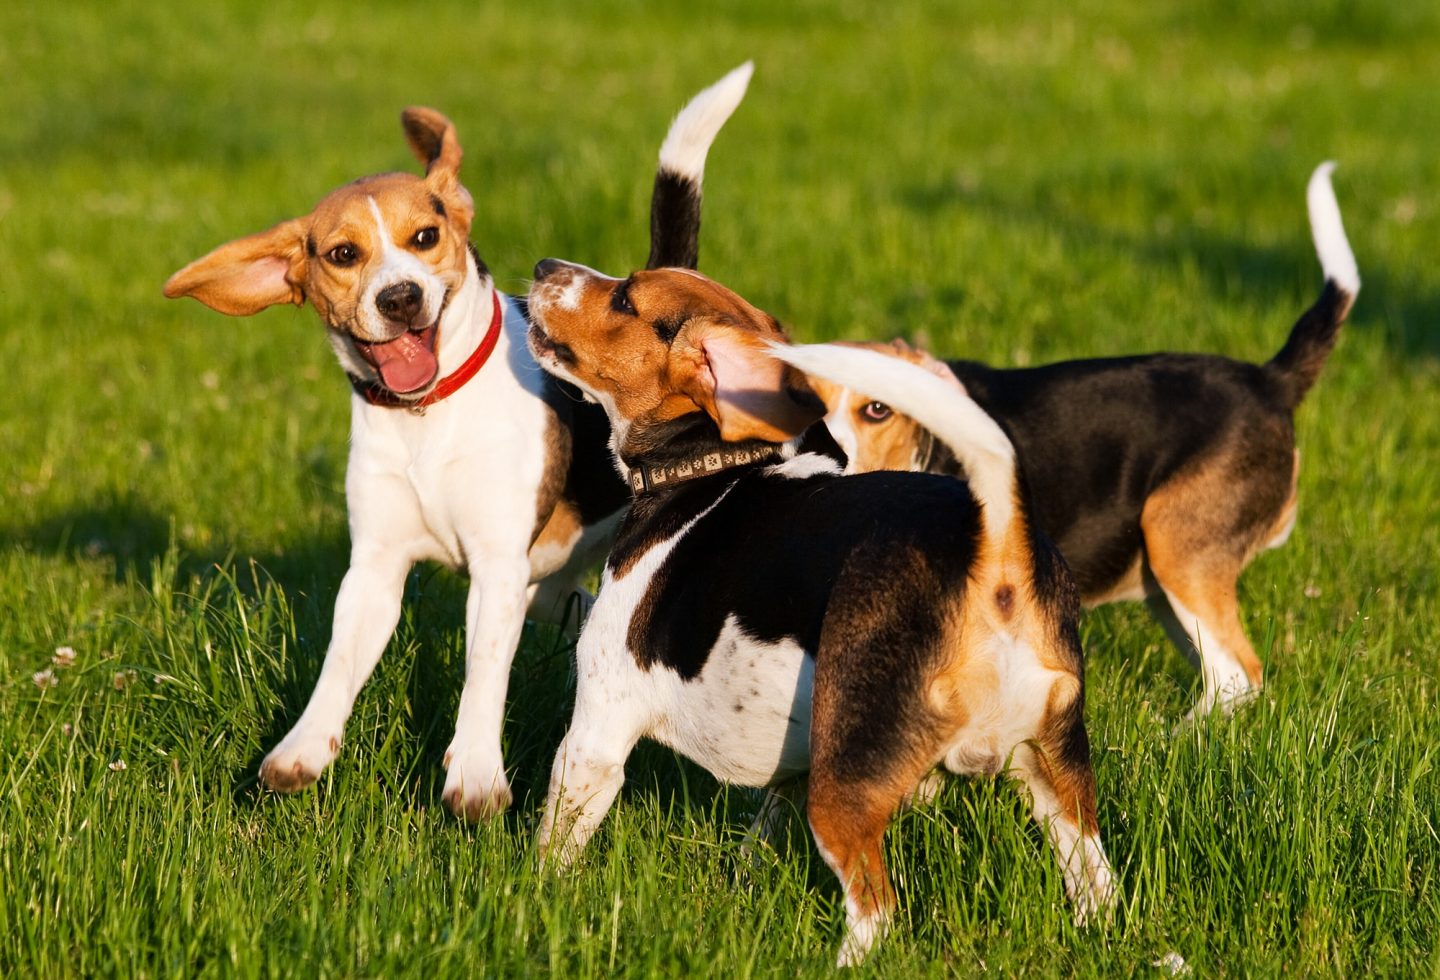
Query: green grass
x=1013, y=182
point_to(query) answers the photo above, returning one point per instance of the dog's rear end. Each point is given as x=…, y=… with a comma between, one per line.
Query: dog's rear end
x=1021, y=707
x=1160, y=477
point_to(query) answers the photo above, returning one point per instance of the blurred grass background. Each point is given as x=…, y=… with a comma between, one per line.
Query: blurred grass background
x=1016, y=182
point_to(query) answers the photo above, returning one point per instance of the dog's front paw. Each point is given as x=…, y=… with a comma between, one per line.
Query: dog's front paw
x=475, y=785
x=1095, y=899
x=298, y=760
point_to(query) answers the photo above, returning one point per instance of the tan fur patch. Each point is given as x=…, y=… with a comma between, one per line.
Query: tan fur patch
x=562, y=528
x=1196, y=552
x=552, y=484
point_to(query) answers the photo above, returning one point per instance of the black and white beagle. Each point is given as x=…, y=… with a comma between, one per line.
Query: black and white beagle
x=768, y=617
x=1159, y=477
x=461, y=450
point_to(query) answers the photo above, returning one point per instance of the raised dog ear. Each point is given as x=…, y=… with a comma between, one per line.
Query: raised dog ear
x=749, y=393
x=433, y=140
x=247, y=275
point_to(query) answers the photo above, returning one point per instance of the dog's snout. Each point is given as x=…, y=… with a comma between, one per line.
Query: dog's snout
x=548, y=267
x=400, y=302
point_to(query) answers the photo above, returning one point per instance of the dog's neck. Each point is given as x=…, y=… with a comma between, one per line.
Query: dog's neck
x=659, y=511
x=467, y=314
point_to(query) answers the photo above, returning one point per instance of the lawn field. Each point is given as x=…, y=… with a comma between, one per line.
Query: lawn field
x=1015, y=182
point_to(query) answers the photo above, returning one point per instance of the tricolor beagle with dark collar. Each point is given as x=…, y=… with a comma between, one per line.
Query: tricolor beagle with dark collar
x=461, y=450
x=1159, y=477
x=768, y=617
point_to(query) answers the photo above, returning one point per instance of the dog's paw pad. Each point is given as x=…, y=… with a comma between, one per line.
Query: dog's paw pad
x=286, y=779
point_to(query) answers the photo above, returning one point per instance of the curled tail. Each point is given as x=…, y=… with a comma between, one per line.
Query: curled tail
x=1299, y=362
x=940, y=405
x=675, y=205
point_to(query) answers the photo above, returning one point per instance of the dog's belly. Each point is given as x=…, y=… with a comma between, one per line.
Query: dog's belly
x=746, y=717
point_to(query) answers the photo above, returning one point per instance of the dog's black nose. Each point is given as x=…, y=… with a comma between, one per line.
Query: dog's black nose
x=546, y=267
x=400, y=302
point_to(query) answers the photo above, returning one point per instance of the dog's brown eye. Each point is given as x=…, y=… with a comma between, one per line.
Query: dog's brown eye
x=876, y=412
x=343, y=254
x=427, y=237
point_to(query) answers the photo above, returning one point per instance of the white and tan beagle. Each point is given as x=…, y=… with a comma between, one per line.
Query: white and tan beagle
x=461, y=451
x=1160, y=476
x=770, y=618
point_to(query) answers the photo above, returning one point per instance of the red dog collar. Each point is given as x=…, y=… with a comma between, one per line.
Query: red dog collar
x=376, y=394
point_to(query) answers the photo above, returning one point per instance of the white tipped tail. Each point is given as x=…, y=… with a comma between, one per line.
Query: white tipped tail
x=941, y=406
x=1331, y=245
x=695, y=128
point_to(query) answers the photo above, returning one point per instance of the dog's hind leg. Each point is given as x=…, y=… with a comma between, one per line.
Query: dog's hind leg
x=780, y=801
x=1204, y=621
x=559, y=598
x=1200, y=529
x=1193, y=594
x=1055, y=768
x=848, y=817
x=366, y=611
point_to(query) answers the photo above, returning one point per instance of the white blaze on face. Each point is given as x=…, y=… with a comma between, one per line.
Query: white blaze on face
x=843, y=431
x=397, y=265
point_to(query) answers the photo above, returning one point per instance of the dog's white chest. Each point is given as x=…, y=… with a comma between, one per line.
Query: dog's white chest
x=460, y=481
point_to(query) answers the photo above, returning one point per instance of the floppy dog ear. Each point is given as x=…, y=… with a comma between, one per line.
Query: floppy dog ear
x=247, y=275
x=749, y=393
x=432, y=139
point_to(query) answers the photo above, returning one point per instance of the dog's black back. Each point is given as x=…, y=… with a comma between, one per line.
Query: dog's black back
x=1096, y=437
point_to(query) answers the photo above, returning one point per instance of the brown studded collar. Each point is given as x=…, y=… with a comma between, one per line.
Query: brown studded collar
x=652, y=476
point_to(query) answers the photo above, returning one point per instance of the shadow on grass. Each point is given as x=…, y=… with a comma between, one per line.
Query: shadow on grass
x=1404, y=312
x=135, y=537
x=405, y=715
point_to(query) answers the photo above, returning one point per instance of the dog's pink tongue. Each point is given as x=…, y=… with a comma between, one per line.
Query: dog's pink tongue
x=405, y=363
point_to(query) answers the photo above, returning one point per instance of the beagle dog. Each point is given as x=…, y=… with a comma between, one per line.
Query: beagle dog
x=461, y=450
x=1159, y=477
x=768, y=617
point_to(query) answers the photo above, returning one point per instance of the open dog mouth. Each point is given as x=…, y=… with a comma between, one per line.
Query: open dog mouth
x=544, y=347
x=407, y=363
